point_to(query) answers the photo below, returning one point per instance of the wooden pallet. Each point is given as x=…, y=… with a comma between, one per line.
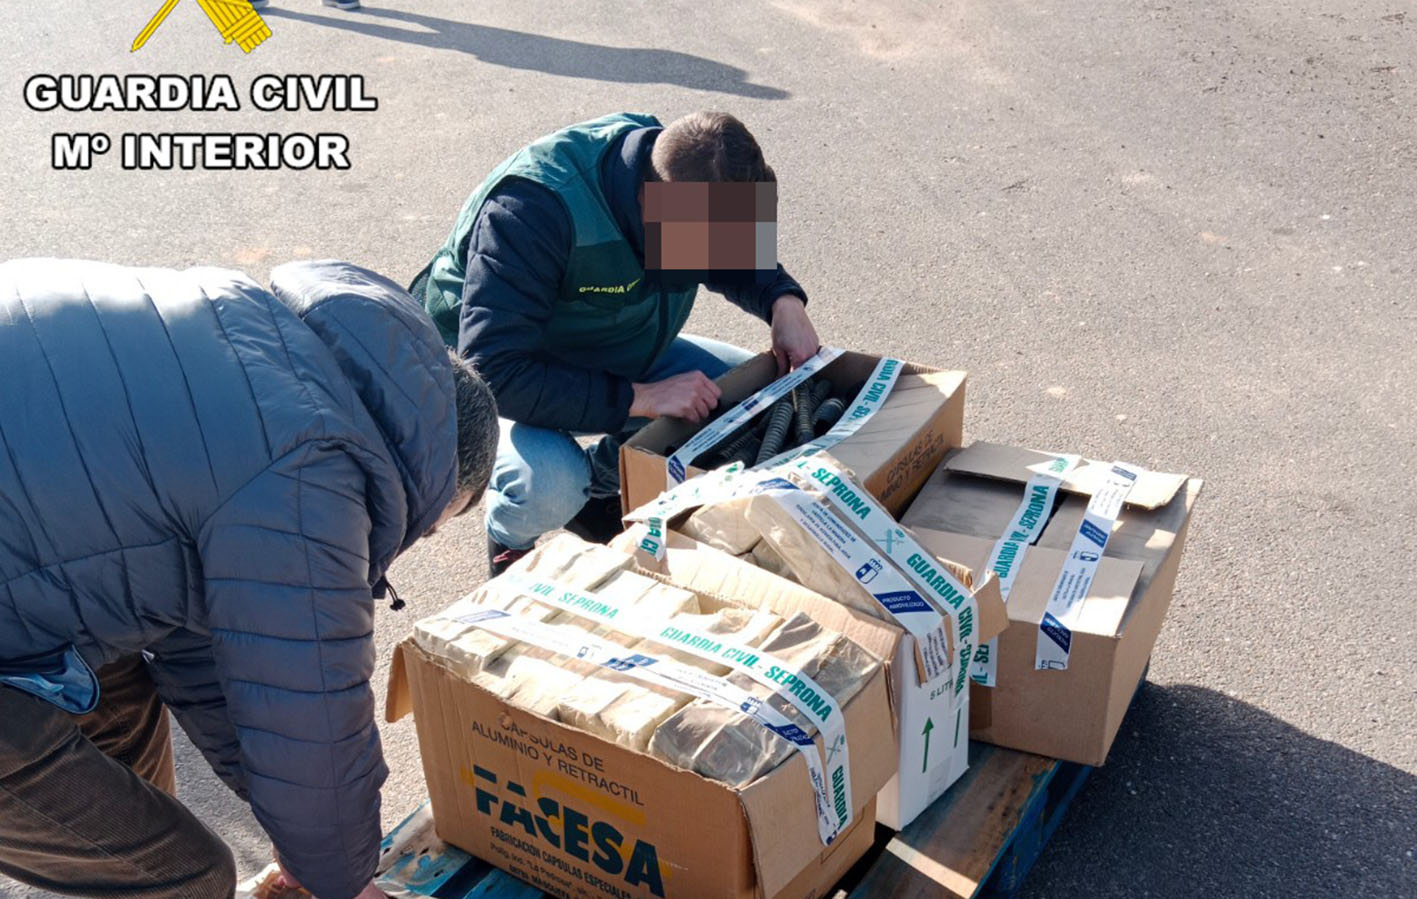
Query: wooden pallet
x=979, y=840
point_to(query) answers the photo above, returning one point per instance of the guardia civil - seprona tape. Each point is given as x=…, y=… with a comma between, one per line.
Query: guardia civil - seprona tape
x=1005, y=559
x=868, y=400
x=1055, y=631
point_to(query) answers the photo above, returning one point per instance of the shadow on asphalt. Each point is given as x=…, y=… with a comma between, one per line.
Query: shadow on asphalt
x=551, y=55
x=1207, y=795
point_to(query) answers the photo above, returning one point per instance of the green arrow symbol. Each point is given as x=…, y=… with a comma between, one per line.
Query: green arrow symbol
x=929, y=726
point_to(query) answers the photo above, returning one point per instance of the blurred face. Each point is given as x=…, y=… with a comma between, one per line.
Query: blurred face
x=718, y=231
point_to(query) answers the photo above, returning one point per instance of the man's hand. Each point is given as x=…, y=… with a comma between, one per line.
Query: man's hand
x=794, y=340
x=690, y=396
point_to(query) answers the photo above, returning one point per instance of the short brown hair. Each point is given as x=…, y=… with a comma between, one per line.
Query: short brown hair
x=709, y=146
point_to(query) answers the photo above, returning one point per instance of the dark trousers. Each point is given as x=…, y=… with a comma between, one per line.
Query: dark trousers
x=87, y=803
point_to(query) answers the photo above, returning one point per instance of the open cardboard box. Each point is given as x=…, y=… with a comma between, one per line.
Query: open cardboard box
x=1073, y=714
x=892, y=454
x=577, y=815
x=930, y=732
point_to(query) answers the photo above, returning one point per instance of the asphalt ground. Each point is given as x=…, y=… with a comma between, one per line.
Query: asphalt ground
x=1176, y=234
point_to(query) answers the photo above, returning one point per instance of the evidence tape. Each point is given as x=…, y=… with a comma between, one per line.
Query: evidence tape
x=669, y=675
x=676, y=467
x=918, y=565
x=793, y=685
x=927, y=578
x=1055, y=631
x=878, y=577
x=1022, y=531
x=871, y=397
x=713, y=486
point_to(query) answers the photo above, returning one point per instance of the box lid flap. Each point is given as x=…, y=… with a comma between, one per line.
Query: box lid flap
x=398, y=699
x=911, y=406
x=1104, y=610
x=1152, y=490
x=993, y=617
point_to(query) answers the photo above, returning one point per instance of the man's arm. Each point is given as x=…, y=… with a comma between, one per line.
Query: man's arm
x=185, y=674
x=515, y=261
x=757, y=298
x=291, y=619
x=782, y=304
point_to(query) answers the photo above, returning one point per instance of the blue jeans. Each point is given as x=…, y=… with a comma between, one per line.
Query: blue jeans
x=542, y=477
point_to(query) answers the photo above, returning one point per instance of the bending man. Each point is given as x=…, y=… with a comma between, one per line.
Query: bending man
x=202, y=485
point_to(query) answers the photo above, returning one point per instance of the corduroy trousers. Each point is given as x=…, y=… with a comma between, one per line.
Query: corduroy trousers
x=87, y=804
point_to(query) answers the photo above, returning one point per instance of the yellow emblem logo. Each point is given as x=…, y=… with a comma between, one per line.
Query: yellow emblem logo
x=235, y=21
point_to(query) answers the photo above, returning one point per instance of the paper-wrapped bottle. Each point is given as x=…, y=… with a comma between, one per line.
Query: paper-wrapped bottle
x=730, y=747
x=538, y=680
x=466, y=650
x=627, y=711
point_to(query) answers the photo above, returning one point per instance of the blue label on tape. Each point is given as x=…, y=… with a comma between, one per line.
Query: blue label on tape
x=774, y=484
x=793, y=733
x=1056, y=631
x=1093, y=533
x=903, y=601
x=676, y=470
x=867, y=573
x=633, y=661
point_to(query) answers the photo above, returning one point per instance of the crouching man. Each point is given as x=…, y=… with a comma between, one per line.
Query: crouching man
x=566, y=281
x=202, y=486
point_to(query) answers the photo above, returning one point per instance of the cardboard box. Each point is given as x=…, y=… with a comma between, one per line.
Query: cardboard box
x=892, y=454
x=1072, y=714
x=579, y=816
x=930, y=726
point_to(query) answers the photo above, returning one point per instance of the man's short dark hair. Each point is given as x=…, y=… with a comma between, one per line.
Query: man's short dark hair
x=477, y=427
x=709, y=146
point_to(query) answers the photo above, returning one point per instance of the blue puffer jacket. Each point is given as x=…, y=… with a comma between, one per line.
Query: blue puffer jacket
x=219, y=474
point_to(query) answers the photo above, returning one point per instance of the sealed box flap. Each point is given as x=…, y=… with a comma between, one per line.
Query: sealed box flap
x=714, y=573
x=398, y=700
x=993, y=617
x=780, y=803
x=718, y=575
x=1105, y=608
x=911, y=406
x=982, y=584
x=1152, y=490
